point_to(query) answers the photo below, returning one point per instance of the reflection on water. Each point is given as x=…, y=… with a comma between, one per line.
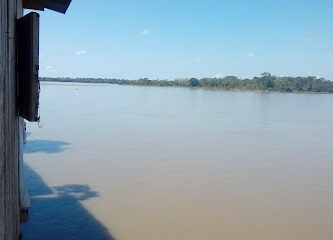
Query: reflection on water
x=167, y=163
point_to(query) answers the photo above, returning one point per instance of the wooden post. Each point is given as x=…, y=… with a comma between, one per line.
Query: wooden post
x=9, y=187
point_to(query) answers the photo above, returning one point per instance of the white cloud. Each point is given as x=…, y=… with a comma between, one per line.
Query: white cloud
x=251, y=54
x=81, y=52
x=310, y=38
x=50, y=69
x=219, y=75
x=144, y=32
x=197, y=60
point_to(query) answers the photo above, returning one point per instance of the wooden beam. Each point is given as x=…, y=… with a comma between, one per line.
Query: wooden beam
x=60, y=6
x=9, y=188
x=34, y=4
x=55, y=5
x=3, y=73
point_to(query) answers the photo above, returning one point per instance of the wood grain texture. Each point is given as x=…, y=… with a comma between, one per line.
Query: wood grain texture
x=3, y=24
x=9, y=192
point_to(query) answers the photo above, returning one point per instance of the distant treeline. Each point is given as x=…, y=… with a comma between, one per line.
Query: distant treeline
x=266, y=82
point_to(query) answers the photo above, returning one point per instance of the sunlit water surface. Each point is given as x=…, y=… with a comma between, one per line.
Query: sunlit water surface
x=147, y=163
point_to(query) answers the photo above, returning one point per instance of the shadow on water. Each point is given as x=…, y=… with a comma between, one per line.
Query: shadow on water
x=45, y=146
x=56, y=212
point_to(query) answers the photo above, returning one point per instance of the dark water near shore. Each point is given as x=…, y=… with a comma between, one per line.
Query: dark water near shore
x=146, y=163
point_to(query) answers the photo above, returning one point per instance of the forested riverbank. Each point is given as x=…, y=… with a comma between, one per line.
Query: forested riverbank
x=266, y=82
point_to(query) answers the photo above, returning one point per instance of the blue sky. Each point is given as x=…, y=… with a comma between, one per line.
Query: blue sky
x=168, y=39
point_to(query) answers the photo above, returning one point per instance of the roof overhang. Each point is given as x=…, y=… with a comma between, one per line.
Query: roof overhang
x=55, y=5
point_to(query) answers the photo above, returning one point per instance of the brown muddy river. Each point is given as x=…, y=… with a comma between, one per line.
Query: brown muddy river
x=147, y=163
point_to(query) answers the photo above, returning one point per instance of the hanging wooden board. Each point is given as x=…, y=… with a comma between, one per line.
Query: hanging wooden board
x=28, y=66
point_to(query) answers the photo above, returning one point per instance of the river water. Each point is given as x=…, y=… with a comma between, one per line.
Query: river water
x=148, y=163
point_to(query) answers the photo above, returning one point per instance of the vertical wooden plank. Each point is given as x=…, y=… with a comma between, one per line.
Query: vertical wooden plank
x=9, y=193
x=19, y=13
x=13, y=157
x=3, y=67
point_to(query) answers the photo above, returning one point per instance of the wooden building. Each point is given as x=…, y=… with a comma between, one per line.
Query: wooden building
x=10, y=11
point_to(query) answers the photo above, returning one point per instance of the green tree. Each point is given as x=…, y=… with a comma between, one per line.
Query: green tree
x=194, y=82
x=266, y=82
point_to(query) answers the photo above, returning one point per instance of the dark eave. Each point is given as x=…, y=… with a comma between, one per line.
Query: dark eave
x=55, y=5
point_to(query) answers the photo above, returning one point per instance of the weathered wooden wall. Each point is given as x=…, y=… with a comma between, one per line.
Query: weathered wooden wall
x=9, y=192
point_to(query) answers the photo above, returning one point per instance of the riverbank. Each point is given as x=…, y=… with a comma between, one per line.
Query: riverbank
x=265, y=83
